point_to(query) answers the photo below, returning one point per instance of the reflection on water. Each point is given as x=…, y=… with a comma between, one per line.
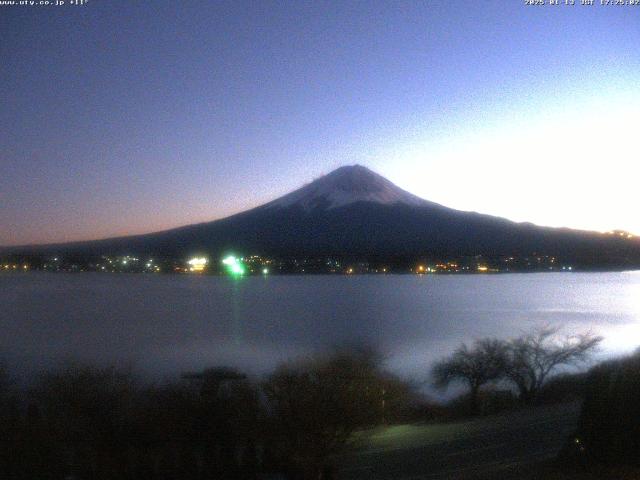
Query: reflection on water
x=164, y=324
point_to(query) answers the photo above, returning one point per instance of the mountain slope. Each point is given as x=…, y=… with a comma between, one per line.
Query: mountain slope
x=353, y=212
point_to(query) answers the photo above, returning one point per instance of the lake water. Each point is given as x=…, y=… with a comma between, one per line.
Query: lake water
x=164, y=324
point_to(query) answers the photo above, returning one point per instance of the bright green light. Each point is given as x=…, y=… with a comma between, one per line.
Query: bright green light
x=265, y=271
x=234, y=266
x=237, y=268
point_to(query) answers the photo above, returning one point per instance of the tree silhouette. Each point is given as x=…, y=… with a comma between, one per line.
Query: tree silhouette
x=316, y=406
x=531, y=358
x=473, y=366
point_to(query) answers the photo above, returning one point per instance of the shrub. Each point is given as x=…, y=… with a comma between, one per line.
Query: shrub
x=609, y=426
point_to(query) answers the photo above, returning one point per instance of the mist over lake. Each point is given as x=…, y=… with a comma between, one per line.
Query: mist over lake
x=166, y=324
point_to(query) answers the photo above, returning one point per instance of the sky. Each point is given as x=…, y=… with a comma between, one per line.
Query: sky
x=122, y=117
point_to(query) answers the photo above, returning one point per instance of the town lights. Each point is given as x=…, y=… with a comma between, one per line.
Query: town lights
x=197, y=264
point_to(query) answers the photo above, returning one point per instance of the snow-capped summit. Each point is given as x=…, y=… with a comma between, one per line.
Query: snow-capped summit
x=346, y=185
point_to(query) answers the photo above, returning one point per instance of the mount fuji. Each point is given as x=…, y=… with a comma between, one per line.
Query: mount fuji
x=353, y=212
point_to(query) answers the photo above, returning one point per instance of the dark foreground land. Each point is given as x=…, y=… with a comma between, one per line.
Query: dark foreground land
x=520, y=444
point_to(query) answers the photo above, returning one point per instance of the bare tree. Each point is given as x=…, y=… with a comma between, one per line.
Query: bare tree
x=531, y=358
x=475, y=366
x=315, y=407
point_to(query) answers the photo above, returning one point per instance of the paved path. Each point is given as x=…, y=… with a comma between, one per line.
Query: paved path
x=487, y=448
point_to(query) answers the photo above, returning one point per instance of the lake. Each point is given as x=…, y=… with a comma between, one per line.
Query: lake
x=165, y=324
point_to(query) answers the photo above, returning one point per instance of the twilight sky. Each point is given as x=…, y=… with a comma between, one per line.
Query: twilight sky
x=125, y=117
